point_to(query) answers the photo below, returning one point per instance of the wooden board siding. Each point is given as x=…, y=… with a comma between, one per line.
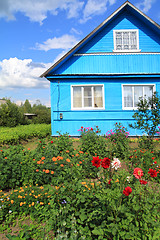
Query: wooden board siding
x=93, y=61
x=105, y=119
x=103, y=42
x=117, y=63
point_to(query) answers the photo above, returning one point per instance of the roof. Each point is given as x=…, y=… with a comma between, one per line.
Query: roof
x=128, y=5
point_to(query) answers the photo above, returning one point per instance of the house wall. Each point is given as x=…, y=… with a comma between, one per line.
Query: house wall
x=96, y=56
x=105, y=119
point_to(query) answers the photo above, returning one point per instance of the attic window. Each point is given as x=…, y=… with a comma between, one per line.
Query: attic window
x=87, y=97
x=126, y=40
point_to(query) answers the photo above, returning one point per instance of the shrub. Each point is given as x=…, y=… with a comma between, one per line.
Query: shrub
x=147, y=118
x=10, y=115
x=92, y=142
x=119, y=139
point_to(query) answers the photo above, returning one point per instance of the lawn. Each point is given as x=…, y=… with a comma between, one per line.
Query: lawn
x=88, y=188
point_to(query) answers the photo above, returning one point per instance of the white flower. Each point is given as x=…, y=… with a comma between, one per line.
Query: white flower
x=10, y=211
x=128, y=179
x=116, y=163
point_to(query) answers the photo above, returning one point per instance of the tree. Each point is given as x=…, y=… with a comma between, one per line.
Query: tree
x=27, y=108
x=147, y=117
x=43, y=113
x=10, y=115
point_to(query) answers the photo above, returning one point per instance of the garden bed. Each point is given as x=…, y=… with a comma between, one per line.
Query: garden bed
x=97, y=189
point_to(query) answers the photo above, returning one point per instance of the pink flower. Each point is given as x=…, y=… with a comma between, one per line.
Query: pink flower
x=138, y=173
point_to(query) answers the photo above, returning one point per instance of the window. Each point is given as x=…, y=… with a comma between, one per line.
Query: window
x=87, y=97
x=126, y=40
x=132, y=93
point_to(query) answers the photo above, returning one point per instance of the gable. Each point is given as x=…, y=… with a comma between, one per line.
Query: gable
x=95, y=54
x=103, y=42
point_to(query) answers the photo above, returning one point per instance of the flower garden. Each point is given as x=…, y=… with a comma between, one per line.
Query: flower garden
x=98, y=188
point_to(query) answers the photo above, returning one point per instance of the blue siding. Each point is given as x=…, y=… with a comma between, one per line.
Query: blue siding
x=132, y=63
x=99, y=58
x=105, y=119
x=103, y=42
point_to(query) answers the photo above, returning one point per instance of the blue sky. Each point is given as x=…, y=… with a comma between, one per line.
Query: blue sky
x=36, y=33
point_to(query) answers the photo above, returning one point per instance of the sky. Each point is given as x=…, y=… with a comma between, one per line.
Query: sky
x=36, y=33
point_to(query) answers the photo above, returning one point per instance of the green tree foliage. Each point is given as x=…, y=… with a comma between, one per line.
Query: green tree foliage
x=147, y=117
x=10, y=115
x=43, y=113
x=26, y=107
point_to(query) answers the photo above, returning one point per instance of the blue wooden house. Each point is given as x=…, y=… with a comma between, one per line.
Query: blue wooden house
x=100, y=80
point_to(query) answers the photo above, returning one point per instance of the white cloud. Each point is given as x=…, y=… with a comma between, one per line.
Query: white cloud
x=64, y=42
x=146, y=5
x=36, y=10
x=75, y=31
x=95, y=7
x=17, y=73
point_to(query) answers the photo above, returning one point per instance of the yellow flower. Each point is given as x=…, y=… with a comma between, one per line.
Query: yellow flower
x=12, y=201
x=117, y=180
x=83, y=183
x=41, y=203
x=32, y=203
x=21, y=203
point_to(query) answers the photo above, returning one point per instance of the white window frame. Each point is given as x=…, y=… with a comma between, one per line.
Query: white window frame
x=126, y=50
x=82, y=92
x=132, y=85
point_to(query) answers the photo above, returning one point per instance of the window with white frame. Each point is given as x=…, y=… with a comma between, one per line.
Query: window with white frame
x=126, y=40
x=132, y=93
x=87, y=97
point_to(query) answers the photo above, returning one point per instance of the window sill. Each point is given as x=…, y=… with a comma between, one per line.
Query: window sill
x=127, y=51
x=87, y=109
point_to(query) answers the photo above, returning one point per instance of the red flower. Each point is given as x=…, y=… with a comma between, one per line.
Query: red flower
x=82, y=127
x=109, y=182
x=91, y=129
x=105, y=162
x=51, y=141
x=143, y=182
x=138, y=173
x=96, y=162
x=152, y=173
x=127, y=191
x=155, y=162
